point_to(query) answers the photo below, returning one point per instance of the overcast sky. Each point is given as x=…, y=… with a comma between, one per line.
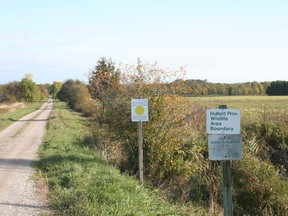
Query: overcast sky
x=222, y=41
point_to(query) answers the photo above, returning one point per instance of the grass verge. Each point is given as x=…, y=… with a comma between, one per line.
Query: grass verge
x=9, y=118
x=81, y=183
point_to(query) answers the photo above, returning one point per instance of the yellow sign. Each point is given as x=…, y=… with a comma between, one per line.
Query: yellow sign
x=139, y=110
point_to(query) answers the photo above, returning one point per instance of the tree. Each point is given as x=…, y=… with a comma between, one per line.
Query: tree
x=12, y=92
x=55, y=88
x=1, y=92
x=230, y=90
x=103, y=79
x=261, y=89
x=31, y=91
x=75, y=93
x=278, y=88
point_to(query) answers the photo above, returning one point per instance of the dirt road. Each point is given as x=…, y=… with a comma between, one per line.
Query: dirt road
x=18, y=146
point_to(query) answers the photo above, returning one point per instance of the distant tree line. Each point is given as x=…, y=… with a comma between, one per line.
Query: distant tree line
x=28, y=90
x=278, y=88
x=25, y=90
x=204, y=88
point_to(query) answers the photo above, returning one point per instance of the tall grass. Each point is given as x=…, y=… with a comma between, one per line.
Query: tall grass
x=81, y=183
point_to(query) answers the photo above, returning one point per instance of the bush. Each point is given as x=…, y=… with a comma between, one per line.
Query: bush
x=75, y=93
x=258, y=189
x=272, y=142
x=173, y=144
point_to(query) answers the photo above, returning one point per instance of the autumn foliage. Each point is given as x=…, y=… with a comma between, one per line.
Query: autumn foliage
x=175, y=141
x=25, y=90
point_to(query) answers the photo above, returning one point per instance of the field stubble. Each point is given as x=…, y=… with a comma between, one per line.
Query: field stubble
x=252, y=108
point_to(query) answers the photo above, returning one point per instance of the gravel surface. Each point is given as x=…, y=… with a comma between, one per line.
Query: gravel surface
x=18, y=146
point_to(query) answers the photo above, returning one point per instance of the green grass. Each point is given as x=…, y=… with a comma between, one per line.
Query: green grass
x=9, y=118
x=81, y=183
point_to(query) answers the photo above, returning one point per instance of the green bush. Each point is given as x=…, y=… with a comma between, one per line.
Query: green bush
x=75, y=93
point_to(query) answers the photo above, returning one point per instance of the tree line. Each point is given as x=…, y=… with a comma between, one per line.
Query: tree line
x=278, y=88
x=27, y=90
x=204, y=88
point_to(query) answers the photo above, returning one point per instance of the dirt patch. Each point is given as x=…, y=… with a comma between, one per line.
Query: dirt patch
x=6, y=107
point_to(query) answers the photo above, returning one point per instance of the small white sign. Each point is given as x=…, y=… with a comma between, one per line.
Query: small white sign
x=225, y=147
x=139, y=110
x=223, y=121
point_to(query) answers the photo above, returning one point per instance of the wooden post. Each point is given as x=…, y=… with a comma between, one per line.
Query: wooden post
x=227, y=188
x=227, y=185
x=140, y=152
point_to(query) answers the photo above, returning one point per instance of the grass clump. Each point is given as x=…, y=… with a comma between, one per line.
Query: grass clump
x=9, y=118
x=81, y=183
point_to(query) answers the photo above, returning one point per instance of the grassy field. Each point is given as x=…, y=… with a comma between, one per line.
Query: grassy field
x=252, y=108
x=251, y=102
x=81, y=183
x=8, y=118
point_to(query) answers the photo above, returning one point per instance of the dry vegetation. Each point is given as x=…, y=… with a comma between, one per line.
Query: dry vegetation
x=175, y=141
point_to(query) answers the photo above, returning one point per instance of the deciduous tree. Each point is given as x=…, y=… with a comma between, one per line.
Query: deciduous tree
x=30, y=89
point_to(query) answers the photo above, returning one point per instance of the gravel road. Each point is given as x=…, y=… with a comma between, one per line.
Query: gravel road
x=18, y=146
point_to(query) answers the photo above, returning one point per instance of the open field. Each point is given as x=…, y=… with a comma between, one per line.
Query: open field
x=251, y=102
x=252, y=108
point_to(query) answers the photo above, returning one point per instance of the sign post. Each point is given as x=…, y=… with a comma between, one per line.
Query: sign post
x=224, y=145
x=227, y=187
x=140, y=152
x=139, y=113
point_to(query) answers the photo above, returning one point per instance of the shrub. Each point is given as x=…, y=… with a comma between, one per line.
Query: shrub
x=272, y=139
x=258, y=189
x=75, y=93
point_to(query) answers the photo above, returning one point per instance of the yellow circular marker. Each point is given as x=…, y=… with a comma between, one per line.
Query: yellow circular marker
x=139, y=110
